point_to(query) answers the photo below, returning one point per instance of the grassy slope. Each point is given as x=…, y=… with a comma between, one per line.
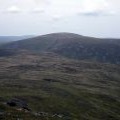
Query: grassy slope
x=55, y=85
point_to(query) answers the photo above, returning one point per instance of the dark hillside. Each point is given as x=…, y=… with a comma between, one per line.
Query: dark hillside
x=72, y=46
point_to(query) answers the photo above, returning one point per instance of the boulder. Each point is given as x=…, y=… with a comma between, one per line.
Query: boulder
x=18, y=103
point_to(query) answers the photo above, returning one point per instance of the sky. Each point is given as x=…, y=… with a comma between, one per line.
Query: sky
x=97, y=18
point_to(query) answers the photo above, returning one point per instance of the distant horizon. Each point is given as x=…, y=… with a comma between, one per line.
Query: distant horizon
x=96, y=18
x=35, y=35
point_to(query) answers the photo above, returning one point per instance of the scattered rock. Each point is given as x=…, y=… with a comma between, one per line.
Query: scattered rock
x=40, y=114
x=18, y=103
x=44, y=114
x=57, y=115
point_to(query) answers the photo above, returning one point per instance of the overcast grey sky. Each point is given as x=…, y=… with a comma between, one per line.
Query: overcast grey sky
x=98, y=18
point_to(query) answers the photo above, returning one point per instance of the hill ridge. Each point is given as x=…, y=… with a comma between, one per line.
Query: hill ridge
x=73, y=46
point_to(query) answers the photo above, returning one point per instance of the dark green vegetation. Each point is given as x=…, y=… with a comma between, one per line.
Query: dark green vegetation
x=56, y=87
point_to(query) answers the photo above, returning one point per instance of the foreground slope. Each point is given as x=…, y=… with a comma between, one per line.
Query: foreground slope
x=72, y=46
x=57, y=88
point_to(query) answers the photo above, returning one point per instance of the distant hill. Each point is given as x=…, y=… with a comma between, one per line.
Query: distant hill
x=72, y=46
x=6, y=39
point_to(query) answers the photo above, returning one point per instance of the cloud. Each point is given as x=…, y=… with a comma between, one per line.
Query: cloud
x=96, y=8
x=38, y=10
x=64, y=8
x=13, y=9
x=96, y=13
x=42, y=1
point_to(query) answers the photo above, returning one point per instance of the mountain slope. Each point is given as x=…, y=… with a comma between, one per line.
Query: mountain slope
x=57, y=88
x=72, y=46
x=6, y=39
